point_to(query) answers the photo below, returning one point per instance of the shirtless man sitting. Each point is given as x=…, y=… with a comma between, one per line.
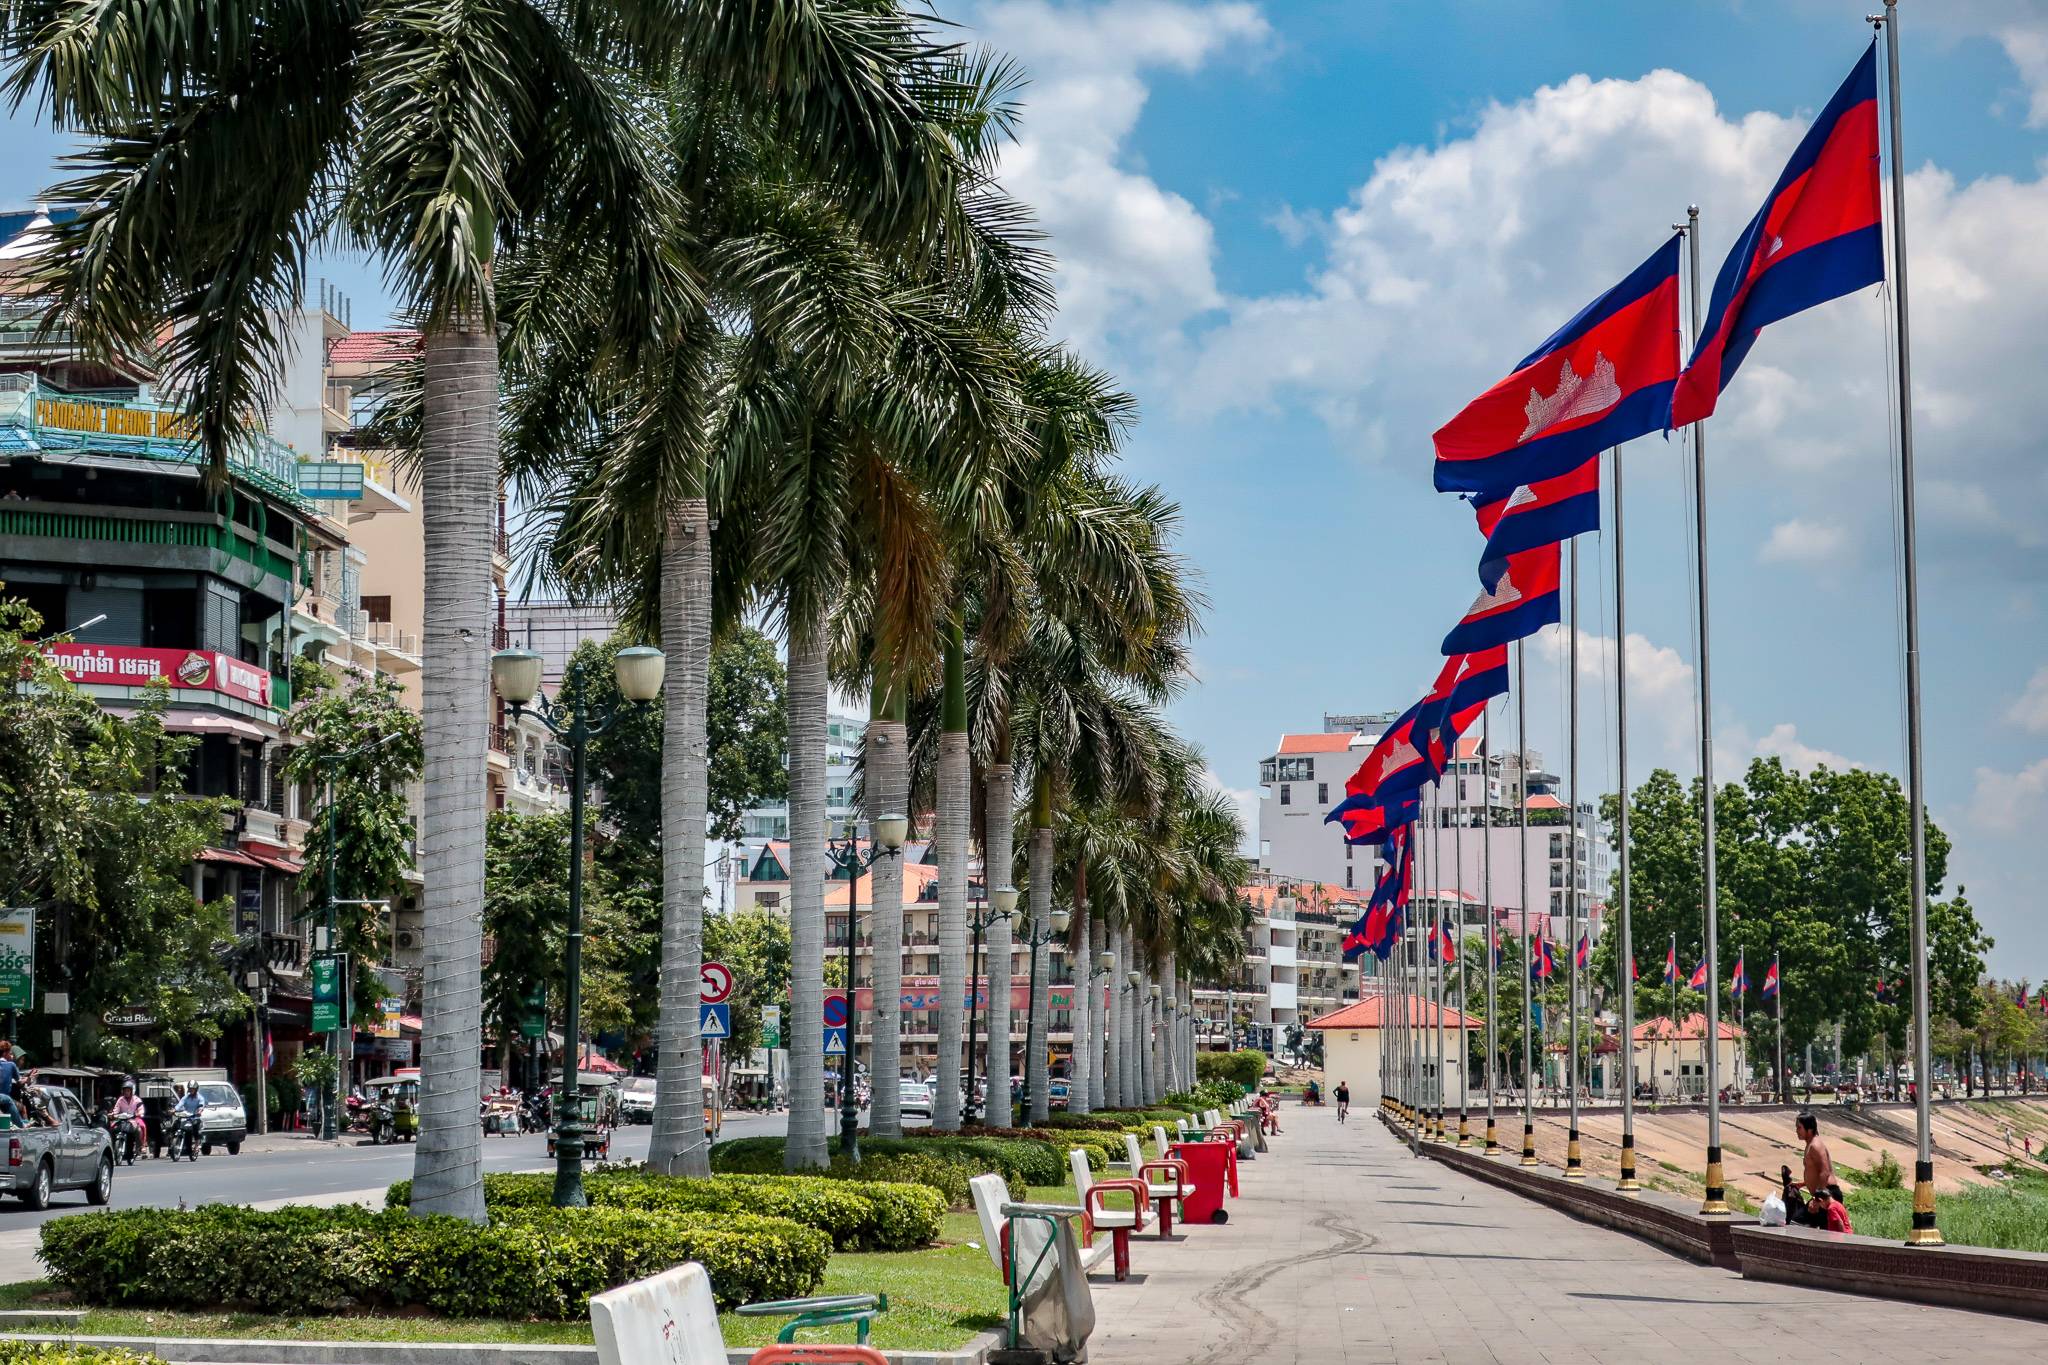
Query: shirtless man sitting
x=1819, y=1177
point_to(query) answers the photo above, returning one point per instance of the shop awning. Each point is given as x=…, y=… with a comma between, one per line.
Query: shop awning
x=273, y=857
x=187, y=720
x=227, y=855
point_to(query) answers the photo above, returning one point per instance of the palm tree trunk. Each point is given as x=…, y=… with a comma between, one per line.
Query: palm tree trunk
x=1120, y=1017
x=1169, y=1024
x=1101, y=1092
x=458, y=490
x=888, y=774
x=1038, y=1090
x=1083, y=1066
x=677, y=1145
x=956, y=803
x=1148, y=1026
x=805, y=1148
x=999, y=870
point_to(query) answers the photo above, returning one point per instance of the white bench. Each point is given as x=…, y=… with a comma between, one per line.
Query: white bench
x=1178, y=1185
x=1118, y=1223
x=672, y=1319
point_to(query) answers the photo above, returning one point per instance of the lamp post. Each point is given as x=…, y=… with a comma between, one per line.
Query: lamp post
x=327, y=763
x=515, y=673
x=846, y=856
x=1020, y=925
x=1004, y=903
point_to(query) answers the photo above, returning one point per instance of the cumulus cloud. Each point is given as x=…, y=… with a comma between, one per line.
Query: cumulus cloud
x=2030, y=712
x=1783, y=742
x=1660, y=694
x=2009, y=802
x=1799, y=541
x=1246, y=800
x=1133, y=256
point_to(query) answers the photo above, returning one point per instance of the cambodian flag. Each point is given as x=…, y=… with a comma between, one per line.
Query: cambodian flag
x=1446, y=943
x=1771, y=979
x=1671, y=966
x=1542, y=965
x=1533, y=514
x=1699, y=978
x=1369, y=822
x=1582, y=954
x=269, y=1051
x=1738, y=983
x=1379, y=928
x=1499, y=950
x=1603, y=378
x=1396, y=765
x=1817, y=237
x=1521, y=601
x=1635, y=973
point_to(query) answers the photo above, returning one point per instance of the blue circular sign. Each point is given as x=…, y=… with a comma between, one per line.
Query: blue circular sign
x=835, y=1011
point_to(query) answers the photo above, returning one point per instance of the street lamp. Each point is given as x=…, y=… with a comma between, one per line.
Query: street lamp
x=1004, y=903
x=846, y=856
x=327, y=763
x=1020, y=925
x=515, y=673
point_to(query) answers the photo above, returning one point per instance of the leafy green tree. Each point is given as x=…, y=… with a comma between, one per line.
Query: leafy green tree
x=359, y=747
x=88, y=838
x=754, y=943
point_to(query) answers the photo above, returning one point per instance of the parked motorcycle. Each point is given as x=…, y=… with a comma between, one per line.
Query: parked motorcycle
x=127, y=1138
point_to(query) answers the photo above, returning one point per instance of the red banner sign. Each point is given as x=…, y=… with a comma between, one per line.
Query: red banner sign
x=186, y=669
x=922, y=993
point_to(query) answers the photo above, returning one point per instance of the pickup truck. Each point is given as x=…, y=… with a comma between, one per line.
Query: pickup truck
x=56, y=1148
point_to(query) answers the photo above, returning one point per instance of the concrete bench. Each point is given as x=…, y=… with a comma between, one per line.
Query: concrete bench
x=1981, y=1278
x=673, y=1318
x=1098, y=1216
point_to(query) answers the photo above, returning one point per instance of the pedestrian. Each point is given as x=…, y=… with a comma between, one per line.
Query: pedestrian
x=1819, y=1172
x=2008, y=1139
x=1343, y=1100
x=1828, y=1212
x=10, y=1076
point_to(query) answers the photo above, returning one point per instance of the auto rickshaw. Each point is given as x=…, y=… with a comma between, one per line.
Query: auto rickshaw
x=597, y=1108
x=395, y=1108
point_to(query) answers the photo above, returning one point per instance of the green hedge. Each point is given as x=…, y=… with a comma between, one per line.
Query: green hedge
x=522, y=1264
x=43, y=1353
x=1019, y=1163
x=1244, y=1067
x=1098, y=1123
x=865, y=1215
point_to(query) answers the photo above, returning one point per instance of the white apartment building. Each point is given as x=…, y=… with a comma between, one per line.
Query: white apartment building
x=843, y=733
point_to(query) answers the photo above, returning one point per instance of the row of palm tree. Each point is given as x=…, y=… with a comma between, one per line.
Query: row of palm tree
x=730, y=293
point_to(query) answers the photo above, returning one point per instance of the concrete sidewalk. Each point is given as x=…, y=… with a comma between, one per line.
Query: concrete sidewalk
x=1345, y=1249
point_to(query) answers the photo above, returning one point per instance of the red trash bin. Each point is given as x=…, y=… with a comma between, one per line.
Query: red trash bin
x=1207, y=1168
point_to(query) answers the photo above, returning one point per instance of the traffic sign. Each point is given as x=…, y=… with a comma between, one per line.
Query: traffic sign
x=835, y=1009
x=716, y=1023
x=717, y=979
x=771, y=1026
x=835, y=1042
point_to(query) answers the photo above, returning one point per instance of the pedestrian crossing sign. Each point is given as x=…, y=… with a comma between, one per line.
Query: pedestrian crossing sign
x=835, y=1042
x=716, y=1023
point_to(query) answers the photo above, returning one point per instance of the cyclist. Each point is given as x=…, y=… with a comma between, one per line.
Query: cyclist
x=1343, y=1100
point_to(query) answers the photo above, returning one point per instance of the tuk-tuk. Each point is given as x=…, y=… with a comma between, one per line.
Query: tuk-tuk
x=597, y=1106
x=395, y=1108
x=93, y=1088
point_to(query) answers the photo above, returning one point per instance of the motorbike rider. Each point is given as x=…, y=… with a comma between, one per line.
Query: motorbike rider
x=189, y=1107
x=129, y=1107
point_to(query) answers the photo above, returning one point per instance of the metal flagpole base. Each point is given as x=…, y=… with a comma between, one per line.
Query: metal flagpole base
x=1492, y=1141
x=1464, y=1130
x=1573, y=1169
x=1628, y=1184
x=1923, y=1233
x=1528, y=1145
x=1716, y=1202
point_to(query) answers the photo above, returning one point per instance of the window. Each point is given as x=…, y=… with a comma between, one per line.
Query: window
x=1286, y=795
x=1295, y=769
x=1349, y=849
x=1348, y=884
x=1322, y=793
x=1557, y=845
x=377, y=608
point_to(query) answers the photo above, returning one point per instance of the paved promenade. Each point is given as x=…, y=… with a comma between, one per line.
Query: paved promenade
x=1346, y=1250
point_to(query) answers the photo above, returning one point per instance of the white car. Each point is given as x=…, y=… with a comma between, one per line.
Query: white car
x=913, y=1097
x=636, y=1100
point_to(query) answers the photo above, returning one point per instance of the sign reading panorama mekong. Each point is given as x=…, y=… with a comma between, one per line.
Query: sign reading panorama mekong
x=186, y=669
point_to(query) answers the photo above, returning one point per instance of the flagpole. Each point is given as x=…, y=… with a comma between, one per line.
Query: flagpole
x=1418, y=1130
x=1440, y=1091
x=1716, y=1200
x=1458, y=863
x=1677, y=1090
x=1924, y=1232
x=1528, y=985
x=1574, y=1169
x=1486, y=879
x=1778, y=1011
x=1628, y=1183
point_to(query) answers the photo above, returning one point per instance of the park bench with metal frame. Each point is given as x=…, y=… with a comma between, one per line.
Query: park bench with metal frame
x=1118, y=1223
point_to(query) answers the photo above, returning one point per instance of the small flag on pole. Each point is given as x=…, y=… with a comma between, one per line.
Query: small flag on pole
x=1671, y=965
x=1771, y=979
x=1698, y=982
x=1738, y=983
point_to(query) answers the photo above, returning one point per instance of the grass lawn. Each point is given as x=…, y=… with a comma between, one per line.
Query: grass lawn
x=939, y=1298
x=2013, y=1217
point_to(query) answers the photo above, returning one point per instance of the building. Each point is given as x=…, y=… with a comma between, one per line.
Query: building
x=1352, y=1043
x=554, y=628
x=1672, y=1058
x=843, y=734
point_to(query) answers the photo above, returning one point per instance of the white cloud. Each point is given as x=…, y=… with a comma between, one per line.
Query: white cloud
x=1132, y=255
x=2028, y=49
x=1783, y=742
x=1799, y=541
x=2009, y=802
x=1246, y=800
x=2030, y=712
x=1660, y=694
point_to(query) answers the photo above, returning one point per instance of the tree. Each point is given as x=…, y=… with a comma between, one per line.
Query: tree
x=754, y=943
x=358, y=747
x=88, y=838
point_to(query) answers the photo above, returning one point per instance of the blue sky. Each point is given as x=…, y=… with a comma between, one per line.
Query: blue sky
x=1307, y=232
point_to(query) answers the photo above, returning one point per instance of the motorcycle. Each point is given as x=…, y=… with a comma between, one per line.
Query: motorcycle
x=383, y=1123
x=127, y=1138
x=185, y=1136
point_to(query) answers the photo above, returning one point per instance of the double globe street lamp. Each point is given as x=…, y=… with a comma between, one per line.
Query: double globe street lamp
x=848, y=857
x=515, y=673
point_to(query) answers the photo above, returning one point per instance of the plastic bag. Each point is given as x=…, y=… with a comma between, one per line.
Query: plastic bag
x=1772, y=1214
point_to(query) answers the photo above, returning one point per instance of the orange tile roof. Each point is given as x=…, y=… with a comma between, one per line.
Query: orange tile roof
x=1470, y=746
x=916, y=877
x=363, y=348
x=1690, y=1029
x=1544, y=801
x=1366, y=1014
x=1315, y=744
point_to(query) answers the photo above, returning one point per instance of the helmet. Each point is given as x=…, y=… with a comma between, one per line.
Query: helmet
x=127, y=1082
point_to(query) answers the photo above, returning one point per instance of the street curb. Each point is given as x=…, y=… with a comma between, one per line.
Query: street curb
x=230, y=1351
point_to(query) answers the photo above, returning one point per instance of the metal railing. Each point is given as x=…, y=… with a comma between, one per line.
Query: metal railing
x=19, y=521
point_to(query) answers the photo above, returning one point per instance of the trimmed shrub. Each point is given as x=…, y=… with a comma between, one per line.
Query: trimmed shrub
x=541, y=1263
x=1019, y=1163
x=863, y=1215
x=1100, y=1123
x=1243, y=1067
